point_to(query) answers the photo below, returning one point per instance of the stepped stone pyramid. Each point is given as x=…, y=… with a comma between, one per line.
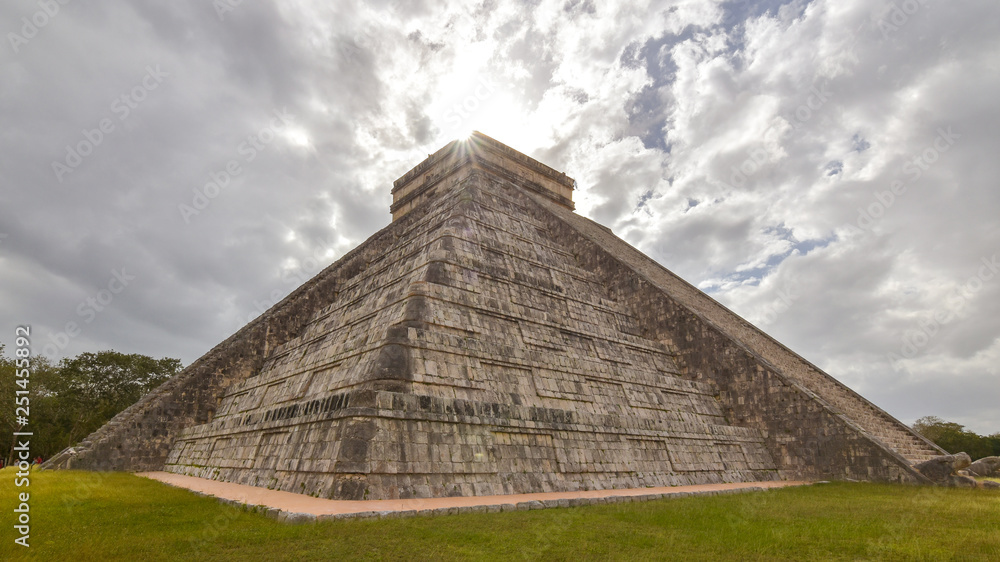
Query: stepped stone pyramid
x=492, y=341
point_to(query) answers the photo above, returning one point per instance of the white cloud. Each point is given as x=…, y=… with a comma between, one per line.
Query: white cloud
x=746, y=145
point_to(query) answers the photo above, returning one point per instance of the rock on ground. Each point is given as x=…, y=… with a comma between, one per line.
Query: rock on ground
x=963, y=482
x=986, y=466
x=940, y=470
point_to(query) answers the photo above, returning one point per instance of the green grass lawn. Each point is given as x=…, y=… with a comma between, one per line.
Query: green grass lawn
x=88, y=516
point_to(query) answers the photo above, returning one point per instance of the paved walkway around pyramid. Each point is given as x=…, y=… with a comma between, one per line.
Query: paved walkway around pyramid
x=288, y=506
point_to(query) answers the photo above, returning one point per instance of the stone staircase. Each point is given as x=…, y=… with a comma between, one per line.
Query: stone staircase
x=870, y=419
x=131, y=415
x=912, y=447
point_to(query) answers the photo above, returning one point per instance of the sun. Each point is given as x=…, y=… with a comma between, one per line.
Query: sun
x=297, y=137
x=499, y=116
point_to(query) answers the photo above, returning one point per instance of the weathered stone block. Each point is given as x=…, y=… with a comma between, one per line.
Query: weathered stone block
x=940, y=469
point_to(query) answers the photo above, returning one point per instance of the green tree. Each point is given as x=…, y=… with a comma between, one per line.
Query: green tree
x=954, y=438
x=93, y=387
x=73, y=398
x=39, y=368
x=995, y=443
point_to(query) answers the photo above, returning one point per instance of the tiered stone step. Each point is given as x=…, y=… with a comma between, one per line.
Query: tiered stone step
x=887, y=430
x=132, y=414
x=836, y=395
x=517, y=371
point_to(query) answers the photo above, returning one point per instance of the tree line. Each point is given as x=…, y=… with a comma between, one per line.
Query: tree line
x=73, y=397
x=954, y=438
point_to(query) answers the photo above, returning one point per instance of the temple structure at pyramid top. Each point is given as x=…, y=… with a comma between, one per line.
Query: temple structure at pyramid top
x=490, y=340
x=479, y=152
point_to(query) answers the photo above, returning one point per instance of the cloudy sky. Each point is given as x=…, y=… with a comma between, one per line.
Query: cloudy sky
x=827, y=169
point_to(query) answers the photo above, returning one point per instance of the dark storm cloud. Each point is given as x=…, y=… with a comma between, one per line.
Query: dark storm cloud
x=113, y=200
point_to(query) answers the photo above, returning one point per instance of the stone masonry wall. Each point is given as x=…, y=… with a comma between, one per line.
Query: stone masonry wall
x=492, y=341
x=141, y=436
x=808, y=437
x=475, y=358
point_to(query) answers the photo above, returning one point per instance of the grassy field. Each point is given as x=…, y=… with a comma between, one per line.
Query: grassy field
x=86, y=516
